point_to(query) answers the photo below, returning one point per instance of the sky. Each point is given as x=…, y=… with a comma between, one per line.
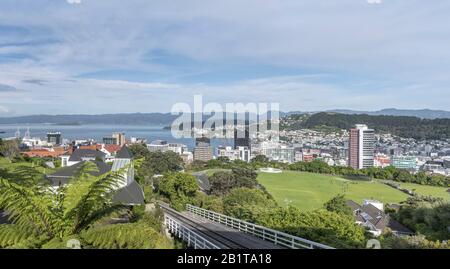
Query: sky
x=115, y=56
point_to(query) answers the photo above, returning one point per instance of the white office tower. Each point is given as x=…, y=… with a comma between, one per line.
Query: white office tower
x=361, y=147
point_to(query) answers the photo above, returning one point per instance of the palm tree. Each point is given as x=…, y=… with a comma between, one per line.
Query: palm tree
x=40, y=215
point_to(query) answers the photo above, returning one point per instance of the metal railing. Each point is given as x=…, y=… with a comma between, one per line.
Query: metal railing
x=191, y=238
x=274, y=236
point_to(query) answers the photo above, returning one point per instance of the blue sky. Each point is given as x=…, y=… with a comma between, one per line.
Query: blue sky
x=111, y=56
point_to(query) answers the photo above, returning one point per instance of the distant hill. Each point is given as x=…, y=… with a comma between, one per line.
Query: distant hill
x=122, y=119
x=419, y=113
x=133, y=118
x=409, y=127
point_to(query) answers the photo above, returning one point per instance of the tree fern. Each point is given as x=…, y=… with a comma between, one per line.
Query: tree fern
x=43, y=217
x=28, y=207
x=129, y=236
x=97, y=201
x=11, y=234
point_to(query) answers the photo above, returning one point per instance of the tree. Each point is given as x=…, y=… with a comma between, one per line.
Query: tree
x=322, y=226
x=154, y=163
x=40, y=216
x=179, y=188
x=390, y=241
x=433, y=222
x=245, y=204
x=209, y=202
x=245, y=177
x=163, y=162
x=9, y=149
x=139, y=150
x=338, y=204
x=221, y=182
x=262, y=159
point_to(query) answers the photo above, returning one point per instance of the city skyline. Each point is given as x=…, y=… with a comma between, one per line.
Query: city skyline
x=93, y=57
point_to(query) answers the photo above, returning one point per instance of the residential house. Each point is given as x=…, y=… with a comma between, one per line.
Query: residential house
x=129, y=192
x=371, y=216
x=80, y=155
x=45, y=152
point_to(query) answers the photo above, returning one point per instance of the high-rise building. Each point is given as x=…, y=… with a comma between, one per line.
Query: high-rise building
x=404, y=162
x=242, y=137
x=120, y=138
x=54, y=138
x=109, y=141
x=203, y=150
x=361, y=147
x=244, y=154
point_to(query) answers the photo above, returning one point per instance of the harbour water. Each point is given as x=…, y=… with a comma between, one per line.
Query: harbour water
x=98, y=131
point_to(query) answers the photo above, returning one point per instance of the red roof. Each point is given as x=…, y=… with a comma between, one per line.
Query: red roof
x=92, y=147
x=44, y=153
x=112, y=148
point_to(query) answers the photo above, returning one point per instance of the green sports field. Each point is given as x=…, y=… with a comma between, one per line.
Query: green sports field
x=434, y=191
x=309, y=191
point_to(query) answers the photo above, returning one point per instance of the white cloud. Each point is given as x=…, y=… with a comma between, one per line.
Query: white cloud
x=386, y=48
x=74, y=2
x=4, y=109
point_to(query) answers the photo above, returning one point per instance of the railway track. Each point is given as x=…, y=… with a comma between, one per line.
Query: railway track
x=201, y=228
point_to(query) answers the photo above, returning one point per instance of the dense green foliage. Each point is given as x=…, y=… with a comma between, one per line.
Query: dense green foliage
x=62, y=213
x=42, y=218
x=224, y=163
x=338, y=204
x=209, y=202
x=245, y=204
x=223, y=182
x=155, y=163
x=433, y=222
x=179, y=188
x=9, y=148
x=152, y=164
x=125, y=236
x=390, y=241
x=321, y=226
x=408, y=127
x=388, y=173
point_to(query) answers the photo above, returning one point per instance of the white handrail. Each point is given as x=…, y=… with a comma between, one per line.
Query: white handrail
x=187, y=235
x=274, y=236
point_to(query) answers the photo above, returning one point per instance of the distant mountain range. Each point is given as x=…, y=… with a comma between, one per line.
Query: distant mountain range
x=419, y=113
x=125, y=119
x=167, y=118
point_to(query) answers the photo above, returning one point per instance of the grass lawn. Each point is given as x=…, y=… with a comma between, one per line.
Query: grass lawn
x=6, y=164
x=440, y=192
x=309, y=191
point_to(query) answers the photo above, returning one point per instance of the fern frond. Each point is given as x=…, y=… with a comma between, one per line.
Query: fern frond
x=11, y=234
x=28, y=176
x=100, y=214
x=130, y=236
x=27, y=207
x=98, y=196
